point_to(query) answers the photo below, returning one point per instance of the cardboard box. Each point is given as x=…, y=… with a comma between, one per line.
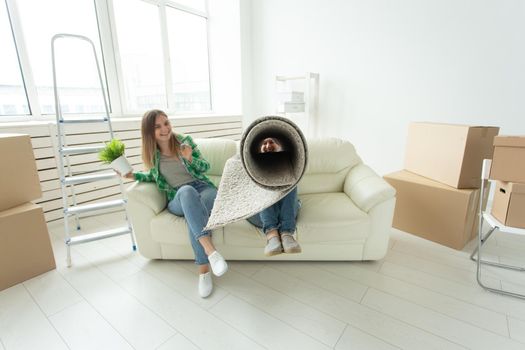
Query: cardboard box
x=447, y=153
x=290, y=96
x=291, y=107
x=19, y=184
x=508, y=205
x=434, y=211
x=508, y=163
x=25, y=248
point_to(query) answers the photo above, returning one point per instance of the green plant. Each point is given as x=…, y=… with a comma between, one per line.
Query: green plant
x=113, y=150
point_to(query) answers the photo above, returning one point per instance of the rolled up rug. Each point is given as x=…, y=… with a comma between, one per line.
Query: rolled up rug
x=272, y=159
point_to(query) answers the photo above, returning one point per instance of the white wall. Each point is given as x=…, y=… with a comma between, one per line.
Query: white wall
x=384, y=63
x=245, y=9
x=225, y=56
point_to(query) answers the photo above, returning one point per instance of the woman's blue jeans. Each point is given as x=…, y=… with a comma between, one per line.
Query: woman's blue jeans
x=194, y=201
x=281, y=216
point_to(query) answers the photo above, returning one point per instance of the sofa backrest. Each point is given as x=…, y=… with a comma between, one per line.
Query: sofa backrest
x=329, y=160
x=216, y=151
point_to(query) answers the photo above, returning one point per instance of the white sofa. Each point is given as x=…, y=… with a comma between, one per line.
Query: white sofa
x=346, y=211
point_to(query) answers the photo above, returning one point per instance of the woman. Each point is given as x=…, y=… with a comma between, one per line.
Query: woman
x=177, y=167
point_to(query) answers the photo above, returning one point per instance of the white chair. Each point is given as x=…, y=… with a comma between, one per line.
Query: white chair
x=485, y=215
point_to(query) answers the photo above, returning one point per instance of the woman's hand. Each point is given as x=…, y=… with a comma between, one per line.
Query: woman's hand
x=185, y=151
x=127, y=176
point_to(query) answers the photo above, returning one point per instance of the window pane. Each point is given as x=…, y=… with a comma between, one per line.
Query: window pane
x=13, y=99
x=194, y=4
x=80, y=89
x=189, y=60
x=141, y=58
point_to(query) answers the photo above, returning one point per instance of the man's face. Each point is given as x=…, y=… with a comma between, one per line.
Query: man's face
x=269, y=144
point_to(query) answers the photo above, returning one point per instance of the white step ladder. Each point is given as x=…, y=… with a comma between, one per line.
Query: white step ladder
x=68, y=179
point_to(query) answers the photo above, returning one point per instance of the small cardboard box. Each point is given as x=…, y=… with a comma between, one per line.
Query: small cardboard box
x=434, y=211
x=290, y=96
x=447, y=153
x=25, y=248
x=19, y=184
x=291, y=107
x=508, y=163
x=509, y=203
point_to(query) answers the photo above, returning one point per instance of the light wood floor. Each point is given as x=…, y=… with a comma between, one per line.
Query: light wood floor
x=421, y=296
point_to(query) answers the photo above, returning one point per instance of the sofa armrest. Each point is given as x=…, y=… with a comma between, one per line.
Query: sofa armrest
x=366, y=188
x=147, y=194
x=145, y=202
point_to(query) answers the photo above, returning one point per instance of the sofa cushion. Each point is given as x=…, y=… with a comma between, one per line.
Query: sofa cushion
x=243, y=234
x=322, y=182
x=216, y=151
x=329, y=218
x=215, y=179
x=330, y=155
x=323, y=218
x=169, y=228
x=329, y=160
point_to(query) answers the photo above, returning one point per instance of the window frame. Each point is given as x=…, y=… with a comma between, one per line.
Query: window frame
x=110, y=60
x=162, y=4
x=25, y=67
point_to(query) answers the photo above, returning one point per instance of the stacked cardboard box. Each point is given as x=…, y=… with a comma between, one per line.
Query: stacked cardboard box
x=290, y=102
x=508, y=168
x=25, y=248
x=438, y=192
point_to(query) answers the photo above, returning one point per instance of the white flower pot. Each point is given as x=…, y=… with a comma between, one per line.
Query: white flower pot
x=121, y=165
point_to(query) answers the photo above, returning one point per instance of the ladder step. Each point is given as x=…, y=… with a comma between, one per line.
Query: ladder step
x=99, y=235
x=80, y=150
x=73, y=180
x=95, y=206
x=100, y=119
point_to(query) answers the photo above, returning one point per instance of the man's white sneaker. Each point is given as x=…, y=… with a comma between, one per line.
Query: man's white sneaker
x=273, y=246
x=205, y=284
x=217, y=263
x=290, y=245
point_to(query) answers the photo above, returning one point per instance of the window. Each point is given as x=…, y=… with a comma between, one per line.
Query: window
x=77, y=77
x=141, y=58
x=189, y=58
x=155, y=56
x=163, y=54
x=199, y=5
x=13, y=98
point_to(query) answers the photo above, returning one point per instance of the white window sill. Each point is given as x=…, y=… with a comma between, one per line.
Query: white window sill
x=28, y=121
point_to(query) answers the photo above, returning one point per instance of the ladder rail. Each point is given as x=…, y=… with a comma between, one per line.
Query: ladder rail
x=58, y=112
x=101, y=81
x=72, y=190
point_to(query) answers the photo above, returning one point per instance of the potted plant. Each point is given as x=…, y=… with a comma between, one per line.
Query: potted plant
x=113, y=154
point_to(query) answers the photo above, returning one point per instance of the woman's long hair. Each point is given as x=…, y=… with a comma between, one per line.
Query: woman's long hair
x=149, y=144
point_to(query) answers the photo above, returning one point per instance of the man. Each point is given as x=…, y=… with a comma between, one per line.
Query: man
x=269, y=145
x=278, y=221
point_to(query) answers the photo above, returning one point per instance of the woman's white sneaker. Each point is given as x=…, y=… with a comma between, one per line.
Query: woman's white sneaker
x=217, y=263
x=205, y=284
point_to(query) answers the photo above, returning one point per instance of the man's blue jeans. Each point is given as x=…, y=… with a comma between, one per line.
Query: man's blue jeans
x=280, y=216
x=194, y=201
